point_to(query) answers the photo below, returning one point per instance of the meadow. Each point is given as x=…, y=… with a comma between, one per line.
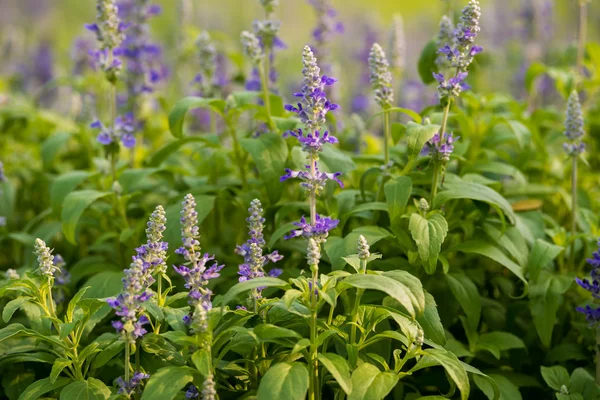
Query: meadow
x=322, y=200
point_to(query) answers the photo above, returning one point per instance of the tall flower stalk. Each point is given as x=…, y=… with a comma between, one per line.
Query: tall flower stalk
x=381, y=80
x=327, y=27
x=252, y=251
x=459, y=55
x=197, y=274
x=574, y=132
x=110, y=35
x=312, y=110
x=254, y=52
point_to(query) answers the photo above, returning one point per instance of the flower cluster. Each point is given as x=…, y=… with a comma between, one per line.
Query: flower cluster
x=327, y=27
x=459, y=50
x=444, y=40
x=312, y=111
x=122, y=130
x=110, y=34
x=363, y=248
x=142, y=56
x=131, y=387
x=318, y=231
x=195, y=271
x=574, y=126
x=153, y=253
x=439, y=149
x=592, y=314
x=45, y=259
x=252, y=47
x=381, y=77
x=207, y=53
x=252, y=251
x=398, y=44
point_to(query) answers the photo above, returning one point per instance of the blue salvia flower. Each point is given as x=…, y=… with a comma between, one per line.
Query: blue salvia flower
x=398, y=44
x=460, y=52
x=123, y=131
x=143, y=57
x=192, y=392
x=312, y=110
x=80, y=56
x=574, y=126
x=153, y=253
x=440, y=149
x=252, y=47
x=110, y=34
x=45, y=259
x=131, y=387
x=252, y=251
x=128, y=304
x=381, y=77
x=592, y=314
x=445, y=39
x=207, y=53
x=327, y=27
x=196, y=271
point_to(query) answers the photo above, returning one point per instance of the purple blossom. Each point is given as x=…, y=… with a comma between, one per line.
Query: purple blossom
x=313, y=142
x=592, y=314
x=131, y=387
x=327, y=27
x=319, y=231
x=312, y=182
x=441, y=149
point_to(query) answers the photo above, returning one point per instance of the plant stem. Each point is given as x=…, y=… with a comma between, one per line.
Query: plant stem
x=598, y=355
x=582, y=34
x=238, y=154
x=313, y=196
x=127, y=367
x=359, y=293
x=313, y=361
x=573, y=209
x=50, y=300
x=436, y=166
x=264, y=80
x=112, y=101
x=386, y=137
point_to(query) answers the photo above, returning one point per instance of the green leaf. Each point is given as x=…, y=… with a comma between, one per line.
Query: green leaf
x=397, y=290
x=460, y=189
x=431, y=323
x=52, y=146
x=105, y=284
x=428, y=234
x=59, y=365
x=284, y=381
x=108, y=354
x=485, y=248
x=202, y=362
x=162, y=154
x=167, y=382
x=270, y=332
x=508, y=390
x=397, y=192
x=157, y=345
x=340, y=370
x=12, y=306
x=74, y=302
x=343, y=248
x=92, y=389
x=242, y=287
x=541, y=255
x=65, y=184
x=495, y=342
x=335, y=160
x=412, y=283
x=453, y=367
x=416, y=137
x=533, y=72
x=369, y=383
x=73, y=207
x=467, y=295
x=130, y=179
x=584, y=383
x=426, y=65
x=556, y=377
x=269, y=153
x=177, y=115
x=39, y=388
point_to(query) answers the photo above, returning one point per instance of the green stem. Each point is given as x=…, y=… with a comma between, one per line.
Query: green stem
x=386, y=137
x=50, y=300
x=573, y=210
x=264, y=80
x=238, y=155
x=313, y=196
x=313, y=360
x=112, y=101
x=598, y=356
x=582, y=34
x=434, y=182
x=127, y=366
x=359, y=293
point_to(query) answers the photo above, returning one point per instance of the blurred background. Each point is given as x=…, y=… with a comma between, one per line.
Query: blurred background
x=47, y=37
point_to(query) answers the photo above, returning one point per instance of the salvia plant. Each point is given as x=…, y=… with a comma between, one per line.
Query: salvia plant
x=323, y=214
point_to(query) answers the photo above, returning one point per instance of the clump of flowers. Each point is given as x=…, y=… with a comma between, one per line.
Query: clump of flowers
x=153, y=253
x=574, y=127
x=381, y=77
x=440, y=149
x=110, y=33
x=592, y=285
x=312, y=110
x=444, y=40
x=196, y=271
x=252, y=250
x=45, y=259
x=207, y=54
x=327, y=27
x=131, y=387
x=122, y=131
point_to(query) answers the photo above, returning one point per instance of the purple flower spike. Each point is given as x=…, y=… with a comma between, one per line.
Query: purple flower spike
x=319, y=231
